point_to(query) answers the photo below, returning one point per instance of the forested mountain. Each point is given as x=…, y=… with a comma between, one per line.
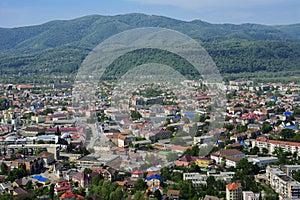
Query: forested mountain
x=60, y=46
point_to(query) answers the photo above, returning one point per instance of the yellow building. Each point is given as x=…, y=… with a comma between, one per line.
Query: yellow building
x=203, y=162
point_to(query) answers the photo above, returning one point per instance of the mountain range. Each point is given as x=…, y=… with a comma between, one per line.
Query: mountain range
x=59, y=47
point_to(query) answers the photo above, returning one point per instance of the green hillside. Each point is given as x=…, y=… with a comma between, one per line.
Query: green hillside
x=58, y=47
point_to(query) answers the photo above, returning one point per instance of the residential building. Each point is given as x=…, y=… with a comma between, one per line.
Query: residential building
x=284, y=185
x=262, y=161
x=271, y=145
x=234, y=191
x=230, y=157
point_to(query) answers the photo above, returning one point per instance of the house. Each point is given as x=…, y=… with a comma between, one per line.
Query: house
x=153, y=183
x=234, y=191
x=196, y=178
x=230, y=156
x=6, y=187
x=284, y=185
x=69, y=195
x=20, y=192
x=173, y=194
x=59, y=168
x=125, y=140
x=208, y=197
x=62, y=186
x=109, y=173
x=137, y=174
x=47, y=157
x=79, y=178
x=203, y=161
x=185, y=160
x=32, y=164
x=271, y=145
x=41, y=179
x=21, y=182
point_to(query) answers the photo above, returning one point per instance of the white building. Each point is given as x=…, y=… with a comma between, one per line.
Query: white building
x=284, y=185
x=271, y=145
x=262, y=161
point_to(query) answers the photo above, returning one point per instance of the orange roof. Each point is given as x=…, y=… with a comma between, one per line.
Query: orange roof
x=173, y=192
x=233, y=186
x=67, y=194
x=158, y=147
x=112, y=136
x=121, y=183
x=122, y=137
x=151, y=173
x=262, y=139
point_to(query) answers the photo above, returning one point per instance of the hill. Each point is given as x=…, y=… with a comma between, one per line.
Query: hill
x=58, y=47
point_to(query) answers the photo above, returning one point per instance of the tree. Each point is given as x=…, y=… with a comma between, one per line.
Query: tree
x=296, y=176
x=97, y=179
x=140, y=185
x=135, y=115
x=48, y=111
x=81, y=191
x=165, y=173
x=246, y=167
x=51, y=191
x=241, y=128
x=265, y=151
x=254, y=150
x=157, y=194
x=199, y=118
x=87, y=171
x=266, y=127
x=139, y=196
x=229, y=127
x=4, y=168
x=117, y=194
x=287, y=134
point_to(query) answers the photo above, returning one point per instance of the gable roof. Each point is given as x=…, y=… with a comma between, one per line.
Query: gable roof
x=20, y=191
x=233, y=186
x=173, y=192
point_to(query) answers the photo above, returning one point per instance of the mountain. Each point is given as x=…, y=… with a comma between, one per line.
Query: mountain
x=58, y=47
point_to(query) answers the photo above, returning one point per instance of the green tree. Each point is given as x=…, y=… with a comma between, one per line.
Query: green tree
x=165, y=173
x=4, y=168
x=117, y=194
x=157, y=195
x=296, y=176
x=254, y=150
x=51, y=191
x=266, y=127
x=287, y=134
x=140, y=185
x=139, y=196
x=96, y=180
x=135, y=115
x=87, y=171
x=265, y=151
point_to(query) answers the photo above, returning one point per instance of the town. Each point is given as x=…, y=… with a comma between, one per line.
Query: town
x=150, y=141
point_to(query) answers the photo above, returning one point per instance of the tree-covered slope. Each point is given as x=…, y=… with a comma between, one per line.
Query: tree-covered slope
x=60, y=46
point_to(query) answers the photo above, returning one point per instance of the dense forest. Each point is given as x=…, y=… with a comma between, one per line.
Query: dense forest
x=59, y=47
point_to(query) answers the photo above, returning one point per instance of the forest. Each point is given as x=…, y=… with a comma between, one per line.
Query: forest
x=59, y=47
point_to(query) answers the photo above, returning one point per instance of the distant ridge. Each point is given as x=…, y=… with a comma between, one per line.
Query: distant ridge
x=60, y=46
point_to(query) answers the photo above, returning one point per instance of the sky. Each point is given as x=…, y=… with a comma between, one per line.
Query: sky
x=15, y=13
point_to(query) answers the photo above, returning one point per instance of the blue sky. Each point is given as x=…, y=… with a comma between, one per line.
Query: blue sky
x=15, y=13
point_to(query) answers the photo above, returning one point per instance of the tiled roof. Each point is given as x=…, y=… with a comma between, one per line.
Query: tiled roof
x=283, y=143
x=233, y=186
